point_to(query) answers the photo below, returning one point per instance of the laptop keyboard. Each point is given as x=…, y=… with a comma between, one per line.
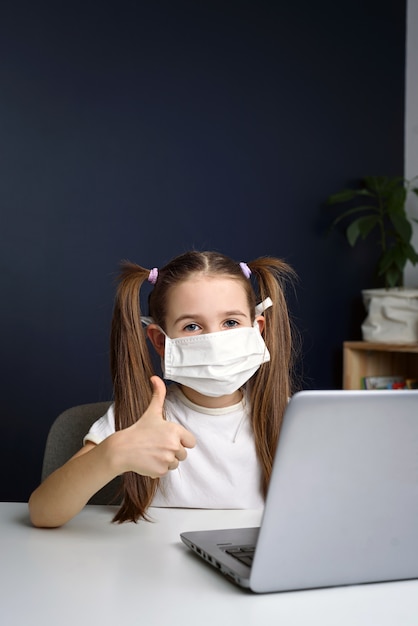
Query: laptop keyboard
x=245, y=554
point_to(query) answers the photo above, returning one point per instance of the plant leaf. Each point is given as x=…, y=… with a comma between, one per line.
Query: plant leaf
x=393, y=277
x=386, y=260
x=361, y=227
x=402, y=226
x=347, y=194
x=411, y=254
x=390, y=270
x=359, y=209
x=399, y=256
x=395, y=199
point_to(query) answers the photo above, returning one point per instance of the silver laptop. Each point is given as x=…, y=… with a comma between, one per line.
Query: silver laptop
x=342, y=506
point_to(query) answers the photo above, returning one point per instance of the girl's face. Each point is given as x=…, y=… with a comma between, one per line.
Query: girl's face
x=204, y=304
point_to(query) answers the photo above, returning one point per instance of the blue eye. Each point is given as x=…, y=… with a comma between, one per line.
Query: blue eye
x=191, y=328
x=231, y=323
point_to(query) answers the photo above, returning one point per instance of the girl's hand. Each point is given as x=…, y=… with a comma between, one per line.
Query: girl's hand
x=152, y=446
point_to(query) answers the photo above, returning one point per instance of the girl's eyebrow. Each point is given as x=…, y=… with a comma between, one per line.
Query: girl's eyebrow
x=186, y=316
x=235, y=314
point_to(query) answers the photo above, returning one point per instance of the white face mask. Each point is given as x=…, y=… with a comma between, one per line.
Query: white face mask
x=215, y=364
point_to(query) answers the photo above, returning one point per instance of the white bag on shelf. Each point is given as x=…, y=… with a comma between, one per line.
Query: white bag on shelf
x=392, y=315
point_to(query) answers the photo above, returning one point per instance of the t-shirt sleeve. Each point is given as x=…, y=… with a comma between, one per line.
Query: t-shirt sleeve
x=102, y=428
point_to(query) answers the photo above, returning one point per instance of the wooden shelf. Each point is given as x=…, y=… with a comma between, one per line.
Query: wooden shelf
x=364, y=358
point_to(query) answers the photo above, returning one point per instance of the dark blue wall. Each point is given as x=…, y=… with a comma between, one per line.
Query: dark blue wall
x=138, y=130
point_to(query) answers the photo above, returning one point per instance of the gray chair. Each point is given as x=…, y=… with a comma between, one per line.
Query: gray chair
x=66, y=437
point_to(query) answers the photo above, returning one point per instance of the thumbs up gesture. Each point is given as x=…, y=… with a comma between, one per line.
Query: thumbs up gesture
x=152, y=446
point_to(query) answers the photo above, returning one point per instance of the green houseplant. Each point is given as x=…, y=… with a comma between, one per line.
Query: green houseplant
x=379, y=205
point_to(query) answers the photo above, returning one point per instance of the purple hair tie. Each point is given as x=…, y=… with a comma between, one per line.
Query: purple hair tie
x=153, y=275
x=245, y=269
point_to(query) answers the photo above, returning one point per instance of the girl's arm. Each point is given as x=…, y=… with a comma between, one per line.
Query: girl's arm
x=151, y=447
x=65, y=492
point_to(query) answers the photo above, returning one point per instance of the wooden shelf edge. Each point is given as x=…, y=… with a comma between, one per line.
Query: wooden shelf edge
x=381, y=347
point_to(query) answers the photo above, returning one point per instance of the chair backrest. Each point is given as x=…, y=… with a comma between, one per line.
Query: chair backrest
x=65, y=438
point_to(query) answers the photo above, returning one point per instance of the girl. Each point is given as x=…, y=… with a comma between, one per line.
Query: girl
x=223, y=411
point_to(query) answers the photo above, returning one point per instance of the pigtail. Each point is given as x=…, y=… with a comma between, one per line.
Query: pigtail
x=271, y=387
x=131, y=369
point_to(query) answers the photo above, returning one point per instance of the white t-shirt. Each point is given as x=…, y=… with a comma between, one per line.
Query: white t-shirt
x=220, y=472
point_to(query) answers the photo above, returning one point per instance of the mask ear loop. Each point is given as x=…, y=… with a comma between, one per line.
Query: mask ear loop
x=265, y=304
x=146, y=320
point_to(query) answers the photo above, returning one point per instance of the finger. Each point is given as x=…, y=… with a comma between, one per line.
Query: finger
x=181, y=454
x=159, y=391
x=187, y=439
x=174, y=464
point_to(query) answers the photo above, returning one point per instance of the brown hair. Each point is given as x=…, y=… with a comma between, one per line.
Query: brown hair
x=131, y=365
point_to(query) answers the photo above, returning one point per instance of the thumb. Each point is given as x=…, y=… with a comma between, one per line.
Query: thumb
x=159, y=391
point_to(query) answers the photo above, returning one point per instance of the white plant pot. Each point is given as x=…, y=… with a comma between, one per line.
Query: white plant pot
x=392, y=315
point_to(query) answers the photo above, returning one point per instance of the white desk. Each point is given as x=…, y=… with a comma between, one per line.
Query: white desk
x=94, y=572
